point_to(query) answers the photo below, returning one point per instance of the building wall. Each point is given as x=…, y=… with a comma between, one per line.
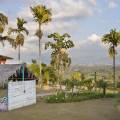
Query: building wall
x=21, y=93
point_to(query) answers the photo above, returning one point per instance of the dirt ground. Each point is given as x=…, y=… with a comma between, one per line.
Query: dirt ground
x=3, y=92
x=104, y=109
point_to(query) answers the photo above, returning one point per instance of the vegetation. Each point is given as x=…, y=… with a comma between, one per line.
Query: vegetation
x=41, y=15
x=113, y=39
x=76, y=84
x=3, y=23
x=77, y=97
x=60, y=59
x=19, y=40
x=102, y=84
x=48, y=73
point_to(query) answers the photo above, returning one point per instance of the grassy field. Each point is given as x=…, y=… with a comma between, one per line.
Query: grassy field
x=102, y=109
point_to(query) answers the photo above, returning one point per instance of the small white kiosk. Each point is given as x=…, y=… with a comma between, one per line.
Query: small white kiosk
x=18, y=85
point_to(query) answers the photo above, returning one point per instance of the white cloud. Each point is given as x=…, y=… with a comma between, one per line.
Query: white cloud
x=72, y=10
x=62, y=9
x=112, y=3
x=94, y=38
x=25, y=13
x=66, y=17
x=93, y=2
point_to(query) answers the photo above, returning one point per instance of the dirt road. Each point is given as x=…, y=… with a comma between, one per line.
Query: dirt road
x=103, y=109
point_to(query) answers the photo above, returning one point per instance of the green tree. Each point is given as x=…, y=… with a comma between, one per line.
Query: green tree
x=34, y=68
x=59, y=55
x=48, y=74
x=102, y=84
x=82, y=76
x=89, y=84
x=20, y=30
x=113, y=40
x=76, y=76
x=41, y=15
x=3, y=23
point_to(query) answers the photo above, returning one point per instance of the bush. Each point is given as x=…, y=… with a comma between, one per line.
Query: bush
x=76, y=97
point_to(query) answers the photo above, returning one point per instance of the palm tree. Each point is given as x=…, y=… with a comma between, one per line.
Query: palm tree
x=41, y=15
x=3, y=23
x=20, y=30
x=113, y=40
x=59, y=56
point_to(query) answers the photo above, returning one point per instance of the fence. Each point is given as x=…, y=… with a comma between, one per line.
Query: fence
x=21, y=93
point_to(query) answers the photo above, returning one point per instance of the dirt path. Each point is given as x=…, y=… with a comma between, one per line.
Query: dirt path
x=103, y=109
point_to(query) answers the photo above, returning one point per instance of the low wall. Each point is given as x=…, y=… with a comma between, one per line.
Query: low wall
x=20, y=94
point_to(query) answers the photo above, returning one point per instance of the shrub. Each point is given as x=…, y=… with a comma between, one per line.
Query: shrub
x=75, y=97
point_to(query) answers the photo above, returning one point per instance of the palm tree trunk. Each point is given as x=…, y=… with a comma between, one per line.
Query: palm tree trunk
x=114, y=72
x=19, y=52
x=39, y=59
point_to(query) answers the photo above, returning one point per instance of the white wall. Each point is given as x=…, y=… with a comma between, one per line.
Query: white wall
x=20, y=94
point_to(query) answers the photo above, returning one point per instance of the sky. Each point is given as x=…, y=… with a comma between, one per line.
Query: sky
x=85, y=20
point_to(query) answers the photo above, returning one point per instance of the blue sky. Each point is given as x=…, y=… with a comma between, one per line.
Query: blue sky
x=85, y=20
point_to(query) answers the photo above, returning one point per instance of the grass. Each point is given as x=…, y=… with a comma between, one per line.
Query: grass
x=69, y=97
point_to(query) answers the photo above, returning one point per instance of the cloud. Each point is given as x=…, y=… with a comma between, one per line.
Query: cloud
x=67, y=17
x=93, y=2
x=70, y=9
x=112, y=3
x=91, y=51
x=62, y=9
x=94, y=38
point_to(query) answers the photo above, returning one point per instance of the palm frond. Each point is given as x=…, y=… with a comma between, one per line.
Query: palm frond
x=3, y=19
x=112, y=51
x=41, y=14
x=12, y=30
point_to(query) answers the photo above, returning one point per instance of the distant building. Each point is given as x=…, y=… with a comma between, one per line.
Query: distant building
x=3, y=59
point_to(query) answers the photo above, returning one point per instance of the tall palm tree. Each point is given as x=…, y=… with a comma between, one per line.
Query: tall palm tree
x=3, y=23
x=20, y=30
x=41, y=15
x=113, y=40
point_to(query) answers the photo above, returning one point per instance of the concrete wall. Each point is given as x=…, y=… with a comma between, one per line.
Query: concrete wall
x=20, y=94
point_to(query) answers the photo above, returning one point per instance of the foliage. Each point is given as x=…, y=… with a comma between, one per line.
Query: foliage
x=60, y=59
x=48, y=74
x=41, y=15
x=89, y=84
x=113, y=40
x=3, y=23
x=76, y=76
x=76, y=97
x=19, y=31
x=34, y=67
x=102, y=84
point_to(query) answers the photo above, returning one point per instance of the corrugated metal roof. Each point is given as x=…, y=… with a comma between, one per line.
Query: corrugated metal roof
x=5, y=57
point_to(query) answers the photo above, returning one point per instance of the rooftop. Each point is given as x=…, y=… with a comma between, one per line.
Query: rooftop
x=4, y=57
